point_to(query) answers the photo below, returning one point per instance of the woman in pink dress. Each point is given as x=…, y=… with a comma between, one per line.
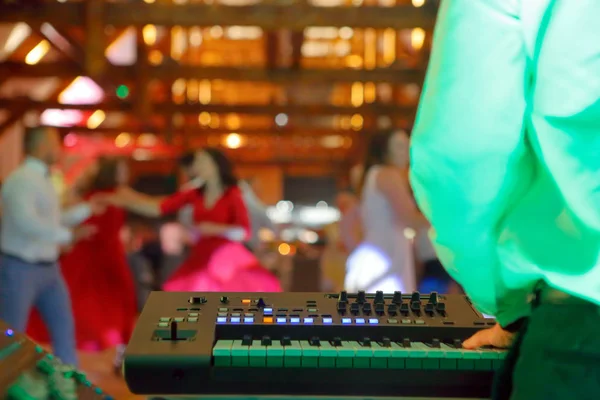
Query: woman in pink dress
x=218, y=260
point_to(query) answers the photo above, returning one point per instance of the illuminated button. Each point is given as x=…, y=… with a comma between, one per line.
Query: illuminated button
x=163, y=324
x=165, y=319
x=406, y=321
x=193, y=314
x=221, y=320
x=235, y=320
x=295, y=320
x=373, y=321
x=248, y=320
x=358, y=320
x=419, y=322
x=268, y=320
x=249, y=314
x=223, y=309
x=268, y=311
x=327, y=320
x=392, y=321
x=308, y=320
x=236, y=315
x=178, y=319
x=246, y=301
x=281, y=320
x=348, y=321
x=222, y=314
x=193, y=319
x=312, y=310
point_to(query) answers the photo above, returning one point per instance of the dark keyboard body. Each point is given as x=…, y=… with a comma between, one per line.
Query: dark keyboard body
x=28, y=372
x=309, y=344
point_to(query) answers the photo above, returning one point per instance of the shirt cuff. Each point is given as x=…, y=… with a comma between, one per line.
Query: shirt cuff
x=77, y=214
x=507, y=317
x=64, y=236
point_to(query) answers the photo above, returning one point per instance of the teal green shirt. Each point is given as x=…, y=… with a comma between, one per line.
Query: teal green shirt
x=505, y=154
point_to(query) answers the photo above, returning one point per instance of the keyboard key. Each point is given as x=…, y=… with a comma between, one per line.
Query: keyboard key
x=292, y=355
x=239, y=354
x=222, y=353
x=257, y=354
x=310, y=355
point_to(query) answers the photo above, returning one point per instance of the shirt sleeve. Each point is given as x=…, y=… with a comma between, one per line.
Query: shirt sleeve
x=177, y=201
x=239, y=211
x=18, y=199
x=469, y=159
x=75, y=215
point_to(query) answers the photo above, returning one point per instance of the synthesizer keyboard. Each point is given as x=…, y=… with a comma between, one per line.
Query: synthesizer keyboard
x=309, y=344
x=28, y=372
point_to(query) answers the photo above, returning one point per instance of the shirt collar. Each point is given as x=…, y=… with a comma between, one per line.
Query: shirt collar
x=37, y=165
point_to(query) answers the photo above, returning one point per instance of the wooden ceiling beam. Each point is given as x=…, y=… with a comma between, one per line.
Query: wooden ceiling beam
x=172, y=72
x=168, y=108
x=268, y=16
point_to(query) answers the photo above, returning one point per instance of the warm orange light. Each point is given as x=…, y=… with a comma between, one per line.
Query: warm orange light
x=149, y=33
x=37, y=53
x=356, y=122
x=370, y=48
x=389, y=46
x=123, y=140
x=205, y=92
x=418, y=3
x=354, y=61
x=357, y=96
x=233, y=141
x=96, y=119
x=417, y=38
x=155, y=57
x=370, y=92
x=204, y=118
x=284, y=249
x=233, y=122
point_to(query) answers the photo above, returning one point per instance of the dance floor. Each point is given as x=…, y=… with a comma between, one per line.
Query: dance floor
x=98, y=367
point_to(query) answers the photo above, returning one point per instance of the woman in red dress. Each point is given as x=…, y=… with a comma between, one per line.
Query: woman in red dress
x=98, y=276
x=218, y=260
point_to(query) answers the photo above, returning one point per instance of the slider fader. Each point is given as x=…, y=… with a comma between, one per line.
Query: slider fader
x=309, y=344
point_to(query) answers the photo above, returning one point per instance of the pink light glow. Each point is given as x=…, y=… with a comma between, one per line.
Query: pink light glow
x=123, y=51
x=82, y=91
x=70, y=140
x=54, y=117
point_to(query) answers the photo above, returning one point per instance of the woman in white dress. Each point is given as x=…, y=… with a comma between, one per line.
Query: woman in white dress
x=384, y=260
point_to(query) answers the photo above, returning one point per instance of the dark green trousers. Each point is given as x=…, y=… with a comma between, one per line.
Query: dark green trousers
x=555, y=357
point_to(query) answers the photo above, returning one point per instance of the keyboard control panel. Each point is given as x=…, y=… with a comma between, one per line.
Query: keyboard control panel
x=365, y=344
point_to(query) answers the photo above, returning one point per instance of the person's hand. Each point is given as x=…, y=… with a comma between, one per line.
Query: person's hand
x=205, y=228
x=495, y=337
x=98, y=203
x=83, y=232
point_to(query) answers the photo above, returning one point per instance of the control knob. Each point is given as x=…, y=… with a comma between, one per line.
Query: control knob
x=224, y=299
x=415, y=306
x=397, y=299
x=379, y=297
x=343, y=296
x=433, y=298
x=197, y=300
x=416, y=296
x=361, y=296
